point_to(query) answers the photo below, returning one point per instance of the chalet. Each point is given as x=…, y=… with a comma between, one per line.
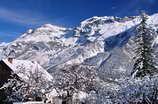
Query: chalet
x=5, y=71
x=22, y=69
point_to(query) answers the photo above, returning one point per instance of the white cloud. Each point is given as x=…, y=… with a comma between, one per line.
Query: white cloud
x=24, y=17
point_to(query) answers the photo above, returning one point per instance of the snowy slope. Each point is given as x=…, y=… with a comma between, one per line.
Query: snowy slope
x=104, y=27
x=45, y=33
x=2, y=45
x=38, y=44
x=153, y=19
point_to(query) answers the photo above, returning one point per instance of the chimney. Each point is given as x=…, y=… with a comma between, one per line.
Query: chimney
x=10, y=60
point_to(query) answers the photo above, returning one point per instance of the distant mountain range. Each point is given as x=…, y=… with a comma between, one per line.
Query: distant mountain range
x=103, y=42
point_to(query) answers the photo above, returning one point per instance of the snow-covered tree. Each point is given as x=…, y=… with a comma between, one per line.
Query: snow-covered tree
x=137, y=91
x=129, y=91
x=144, y=59
x=17, y=89
x=72, y=79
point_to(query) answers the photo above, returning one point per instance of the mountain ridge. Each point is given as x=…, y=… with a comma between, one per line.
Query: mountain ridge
x=96, y=41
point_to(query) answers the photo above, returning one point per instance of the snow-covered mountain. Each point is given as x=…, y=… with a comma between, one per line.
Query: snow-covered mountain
x=104, y=42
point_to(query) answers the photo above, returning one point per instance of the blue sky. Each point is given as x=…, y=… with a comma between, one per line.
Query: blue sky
x=17, y=16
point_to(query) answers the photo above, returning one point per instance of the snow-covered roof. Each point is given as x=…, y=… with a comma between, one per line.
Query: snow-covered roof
x=25, y=68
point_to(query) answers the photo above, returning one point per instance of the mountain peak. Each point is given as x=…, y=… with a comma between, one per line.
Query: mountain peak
x=51, y=27
x=45, y=33
x=95, y=18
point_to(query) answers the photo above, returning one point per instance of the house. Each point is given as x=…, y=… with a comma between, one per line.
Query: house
x=26, y=71
x=23, y=69
x=5, y=72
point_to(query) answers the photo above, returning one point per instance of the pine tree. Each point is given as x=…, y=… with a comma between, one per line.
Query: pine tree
x=144, y=59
